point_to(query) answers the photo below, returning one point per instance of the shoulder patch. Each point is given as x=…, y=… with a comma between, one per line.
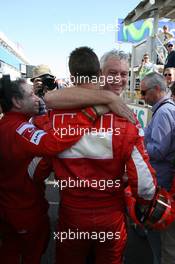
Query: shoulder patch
x=30, y=133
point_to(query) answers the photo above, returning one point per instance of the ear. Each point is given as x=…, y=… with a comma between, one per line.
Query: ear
x=158, y=89
x=16, y=102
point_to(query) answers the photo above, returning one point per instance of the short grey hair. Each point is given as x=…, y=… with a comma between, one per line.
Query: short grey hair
x=118, y=54
x=153, y=79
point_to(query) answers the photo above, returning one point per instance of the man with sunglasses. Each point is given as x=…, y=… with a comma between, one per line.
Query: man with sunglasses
x=160, y=144
x=170, y=60
x=169, y=75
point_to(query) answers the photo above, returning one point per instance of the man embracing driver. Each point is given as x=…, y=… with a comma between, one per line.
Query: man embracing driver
x=92, y=211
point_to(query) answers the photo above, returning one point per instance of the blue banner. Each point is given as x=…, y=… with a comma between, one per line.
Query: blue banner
x=139, y=30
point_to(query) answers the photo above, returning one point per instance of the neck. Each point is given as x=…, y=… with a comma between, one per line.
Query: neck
x=15, y=109
x=160, y=96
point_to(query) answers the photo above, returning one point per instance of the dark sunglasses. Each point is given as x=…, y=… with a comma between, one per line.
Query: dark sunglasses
x=167, y=74
x=170, y=46
x=143, y=93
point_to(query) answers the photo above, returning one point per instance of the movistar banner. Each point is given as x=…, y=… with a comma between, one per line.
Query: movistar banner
x=139, y=30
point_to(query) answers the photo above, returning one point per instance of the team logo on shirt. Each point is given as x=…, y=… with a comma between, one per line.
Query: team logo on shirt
x=30, y=133
x=37, y=136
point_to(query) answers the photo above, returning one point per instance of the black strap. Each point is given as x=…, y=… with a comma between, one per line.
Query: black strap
x=164, y=102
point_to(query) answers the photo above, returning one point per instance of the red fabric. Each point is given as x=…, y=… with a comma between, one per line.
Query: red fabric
x=76, y=122
x=23, y=208
x=25, y=235
x=108, y=221
x=20, y=142
x=101, y=168
x=89, y=208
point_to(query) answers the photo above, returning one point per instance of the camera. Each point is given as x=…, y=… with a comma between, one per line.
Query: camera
x=48, y=84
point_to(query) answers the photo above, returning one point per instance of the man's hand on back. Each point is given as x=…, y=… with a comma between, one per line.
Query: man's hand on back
x=120, y=108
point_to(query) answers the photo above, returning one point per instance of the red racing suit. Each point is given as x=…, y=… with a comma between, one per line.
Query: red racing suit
x=23, y=211
x=90, y=178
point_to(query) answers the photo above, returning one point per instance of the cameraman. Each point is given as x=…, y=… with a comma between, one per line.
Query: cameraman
x=43, y=80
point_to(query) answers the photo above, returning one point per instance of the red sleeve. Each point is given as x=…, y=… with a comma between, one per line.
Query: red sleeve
x=32, y=141
x=67, y=126
x=141, y=176
x=35, y=141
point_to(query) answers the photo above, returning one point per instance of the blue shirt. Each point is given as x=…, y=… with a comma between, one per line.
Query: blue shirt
x=160, y=141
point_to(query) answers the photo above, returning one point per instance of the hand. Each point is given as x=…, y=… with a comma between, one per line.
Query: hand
x=142, y=63
x=37, y=85
x=120, y=108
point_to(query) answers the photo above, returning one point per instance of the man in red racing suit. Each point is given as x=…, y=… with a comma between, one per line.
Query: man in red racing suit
x=90, y=178
x=23, y=211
